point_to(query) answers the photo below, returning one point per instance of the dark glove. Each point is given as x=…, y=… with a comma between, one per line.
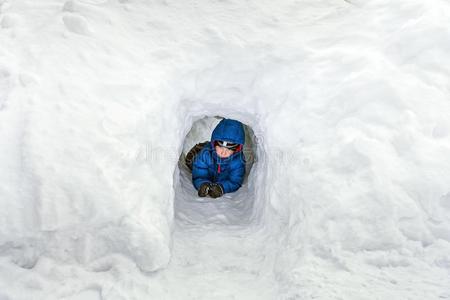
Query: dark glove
x=204, y=189
x=215, y=190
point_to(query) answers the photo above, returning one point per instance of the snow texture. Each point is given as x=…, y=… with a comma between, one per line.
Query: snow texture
x=347, y=110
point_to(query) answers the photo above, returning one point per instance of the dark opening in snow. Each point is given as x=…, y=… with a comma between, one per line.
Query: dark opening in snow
x=232, y=208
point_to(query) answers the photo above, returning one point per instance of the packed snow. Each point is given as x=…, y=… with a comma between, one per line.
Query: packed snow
x=347, y=114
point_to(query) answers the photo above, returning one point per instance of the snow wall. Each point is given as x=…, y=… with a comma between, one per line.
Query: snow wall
x=351, y=114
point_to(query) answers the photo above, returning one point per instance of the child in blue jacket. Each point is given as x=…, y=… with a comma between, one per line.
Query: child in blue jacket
x=218, y=166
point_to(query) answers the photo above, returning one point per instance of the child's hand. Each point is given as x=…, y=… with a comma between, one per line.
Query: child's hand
x=204, y=189
x=215, y=190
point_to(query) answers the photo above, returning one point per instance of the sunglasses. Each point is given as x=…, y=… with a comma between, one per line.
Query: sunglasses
x=228, y=145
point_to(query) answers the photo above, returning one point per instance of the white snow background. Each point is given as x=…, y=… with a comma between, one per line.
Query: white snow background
x=349, y=107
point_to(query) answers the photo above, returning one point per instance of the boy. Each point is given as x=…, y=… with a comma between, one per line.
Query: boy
x=218, y=166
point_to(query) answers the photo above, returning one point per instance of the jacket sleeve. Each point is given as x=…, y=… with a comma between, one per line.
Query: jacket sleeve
x=200, y=172
x=234, y=181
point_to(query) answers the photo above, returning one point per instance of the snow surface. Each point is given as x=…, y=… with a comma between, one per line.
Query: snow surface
x=348, y=103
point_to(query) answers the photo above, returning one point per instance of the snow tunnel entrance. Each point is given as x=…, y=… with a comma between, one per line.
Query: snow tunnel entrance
x=232, y=208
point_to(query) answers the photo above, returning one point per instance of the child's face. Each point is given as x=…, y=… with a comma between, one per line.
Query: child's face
x=223, y=152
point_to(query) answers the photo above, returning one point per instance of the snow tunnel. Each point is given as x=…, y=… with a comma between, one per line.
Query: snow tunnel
x=242, y=207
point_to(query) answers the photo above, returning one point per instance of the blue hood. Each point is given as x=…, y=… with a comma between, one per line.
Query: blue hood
x=229, y=130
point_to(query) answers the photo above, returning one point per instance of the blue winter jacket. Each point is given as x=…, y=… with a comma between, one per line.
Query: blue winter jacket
x=209, y=167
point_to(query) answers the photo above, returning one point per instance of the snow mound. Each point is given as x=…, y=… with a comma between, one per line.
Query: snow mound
x=348, y=108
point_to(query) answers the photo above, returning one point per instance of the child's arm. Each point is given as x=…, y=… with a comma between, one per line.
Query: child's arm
x=200, y=172
x=234, y=181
